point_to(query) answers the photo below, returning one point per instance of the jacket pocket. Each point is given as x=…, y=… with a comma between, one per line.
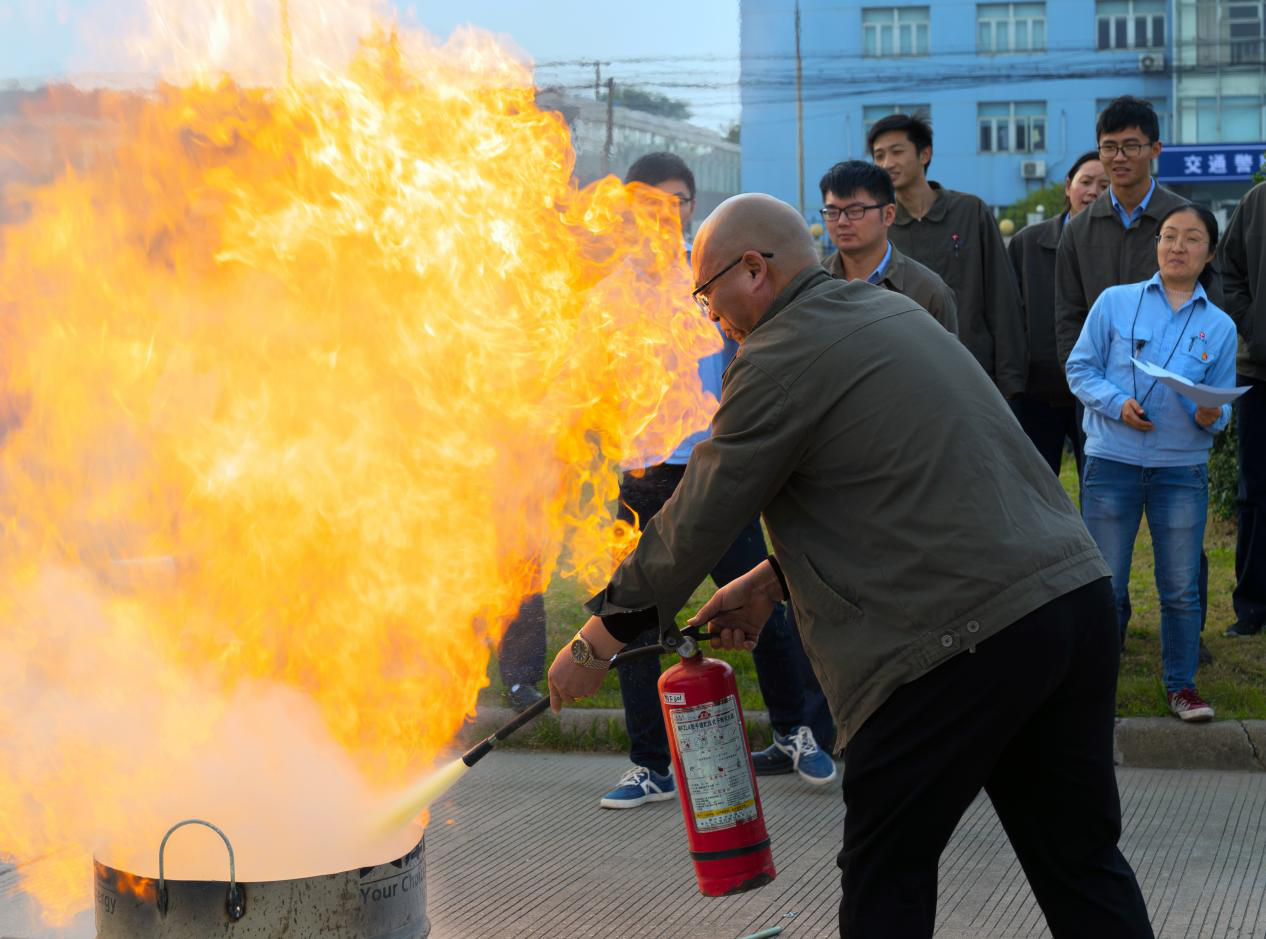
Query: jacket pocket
x=821, y=594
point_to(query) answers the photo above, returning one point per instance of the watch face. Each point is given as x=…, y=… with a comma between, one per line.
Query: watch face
x=579, y=651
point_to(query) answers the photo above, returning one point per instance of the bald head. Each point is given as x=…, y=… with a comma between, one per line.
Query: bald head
x=746, y=252
x=754, y=221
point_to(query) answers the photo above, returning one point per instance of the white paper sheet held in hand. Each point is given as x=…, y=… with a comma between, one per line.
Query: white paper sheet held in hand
x=1204, y=395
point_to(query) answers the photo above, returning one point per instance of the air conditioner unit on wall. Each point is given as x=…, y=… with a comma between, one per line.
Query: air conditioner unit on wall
x=1033, y=169
x=1152, y=62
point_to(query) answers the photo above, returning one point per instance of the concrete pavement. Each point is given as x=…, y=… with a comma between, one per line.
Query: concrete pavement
x=519, y=848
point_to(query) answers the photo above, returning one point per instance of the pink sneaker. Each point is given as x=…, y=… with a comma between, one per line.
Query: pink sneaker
x=1189, y=706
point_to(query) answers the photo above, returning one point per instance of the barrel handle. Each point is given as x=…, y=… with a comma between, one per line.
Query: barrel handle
x=236, y=902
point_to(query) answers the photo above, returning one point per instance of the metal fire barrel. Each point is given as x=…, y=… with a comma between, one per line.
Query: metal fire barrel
x=387, y=901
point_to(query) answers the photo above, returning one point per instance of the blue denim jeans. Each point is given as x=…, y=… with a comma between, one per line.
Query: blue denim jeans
x=779, y=657
x=1114, y=497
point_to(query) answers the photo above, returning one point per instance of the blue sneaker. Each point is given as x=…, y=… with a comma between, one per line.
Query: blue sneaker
x=806, y=758
x=637, y=786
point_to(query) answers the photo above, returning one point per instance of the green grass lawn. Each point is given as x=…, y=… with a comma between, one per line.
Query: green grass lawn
x=1235, y=684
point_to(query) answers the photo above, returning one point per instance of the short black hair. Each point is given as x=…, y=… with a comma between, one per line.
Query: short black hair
x=915, y=126
x=851, y=175
x=1125, y=112
x=659, y=167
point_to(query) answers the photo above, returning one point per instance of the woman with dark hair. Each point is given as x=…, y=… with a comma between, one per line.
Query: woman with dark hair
x=1046, y=410
x=1147, y=447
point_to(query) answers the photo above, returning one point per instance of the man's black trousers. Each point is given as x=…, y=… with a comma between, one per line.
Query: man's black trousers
x=1028, y=717
x=1249, y=596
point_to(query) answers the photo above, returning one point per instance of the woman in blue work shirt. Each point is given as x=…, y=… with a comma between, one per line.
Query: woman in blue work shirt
x=1147, y=447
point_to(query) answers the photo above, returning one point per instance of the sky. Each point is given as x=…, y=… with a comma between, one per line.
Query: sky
x=686, y=49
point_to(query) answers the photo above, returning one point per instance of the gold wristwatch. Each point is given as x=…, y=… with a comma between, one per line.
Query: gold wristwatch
x=583, y=655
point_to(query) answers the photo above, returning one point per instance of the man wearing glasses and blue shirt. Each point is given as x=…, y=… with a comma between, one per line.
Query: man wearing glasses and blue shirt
x=779, y=659
x=859, y=205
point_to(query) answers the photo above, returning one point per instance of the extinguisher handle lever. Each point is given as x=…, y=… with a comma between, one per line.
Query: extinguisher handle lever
x=672, y=640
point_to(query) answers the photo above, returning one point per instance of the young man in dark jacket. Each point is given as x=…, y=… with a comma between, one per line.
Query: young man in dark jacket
x=1243, y=256
x=858, y=208
x=1114, y=241
x=955, y=235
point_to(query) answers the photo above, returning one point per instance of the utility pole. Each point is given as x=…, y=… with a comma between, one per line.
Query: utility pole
x=606, y=150
x=799, y=114
x=597, y=80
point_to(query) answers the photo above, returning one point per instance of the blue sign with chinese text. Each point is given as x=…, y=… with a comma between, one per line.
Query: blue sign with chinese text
x=1210, y=162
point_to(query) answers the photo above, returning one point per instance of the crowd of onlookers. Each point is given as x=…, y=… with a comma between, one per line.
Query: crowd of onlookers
x=1061, y=318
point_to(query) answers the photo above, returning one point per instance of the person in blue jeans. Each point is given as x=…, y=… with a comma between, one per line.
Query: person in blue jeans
x=1147, y=447
x=782, y=668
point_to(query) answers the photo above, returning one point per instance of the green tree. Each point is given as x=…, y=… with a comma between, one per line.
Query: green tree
x=1050, y=198
x=734, y=133
x=651, y=102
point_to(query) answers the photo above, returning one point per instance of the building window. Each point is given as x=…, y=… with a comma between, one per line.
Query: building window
x=1245, y=23
x=894, y=31
x=1159, y=105
x=1011, y=126
x=1230, y=119
x=1011, y=27
x=874, y=112
x=1130, y=24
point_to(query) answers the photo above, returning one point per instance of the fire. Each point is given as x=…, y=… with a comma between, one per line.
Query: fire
x=316, y=373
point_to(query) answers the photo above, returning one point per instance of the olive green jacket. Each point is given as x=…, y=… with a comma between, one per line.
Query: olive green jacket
x=909, y=512
x=959, y=240
x=908, y=277
x=1097, y=252
x=1243, y=256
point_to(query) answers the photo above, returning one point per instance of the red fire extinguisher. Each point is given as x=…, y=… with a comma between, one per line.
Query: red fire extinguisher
x=715, y=778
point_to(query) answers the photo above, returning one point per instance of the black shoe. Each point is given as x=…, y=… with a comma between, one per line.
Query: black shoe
x=1206, y=657
x=772, y=762
x=522, y=697
x=1241, y=628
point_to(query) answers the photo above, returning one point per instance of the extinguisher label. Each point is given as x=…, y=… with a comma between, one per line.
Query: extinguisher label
x=674, y=697
x=713, y=752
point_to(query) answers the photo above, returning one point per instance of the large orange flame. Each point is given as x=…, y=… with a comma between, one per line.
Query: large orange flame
x=317, y=374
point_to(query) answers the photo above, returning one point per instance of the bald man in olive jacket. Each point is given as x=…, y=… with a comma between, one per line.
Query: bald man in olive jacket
x=954, y=607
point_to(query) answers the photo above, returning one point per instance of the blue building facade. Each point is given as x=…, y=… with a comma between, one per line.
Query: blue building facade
x=1012, y=89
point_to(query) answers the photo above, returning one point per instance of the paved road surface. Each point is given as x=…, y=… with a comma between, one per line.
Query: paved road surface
x=519, y=848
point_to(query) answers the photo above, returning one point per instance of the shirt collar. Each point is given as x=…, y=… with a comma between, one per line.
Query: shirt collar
x=877, y=274
x=1155, y=282
x=1139, y=210
x=934, y=214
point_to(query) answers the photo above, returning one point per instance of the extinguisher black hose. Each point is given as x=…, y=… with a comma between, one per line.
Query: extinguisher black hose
x=485, y=746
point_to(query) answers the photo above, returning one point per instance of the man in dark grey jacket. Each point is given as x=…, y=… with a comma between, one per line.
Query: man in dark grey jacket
x=954, y=234
x=1243, y=257
x=1114, y=241
x=858, y=208
x=954, y=607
